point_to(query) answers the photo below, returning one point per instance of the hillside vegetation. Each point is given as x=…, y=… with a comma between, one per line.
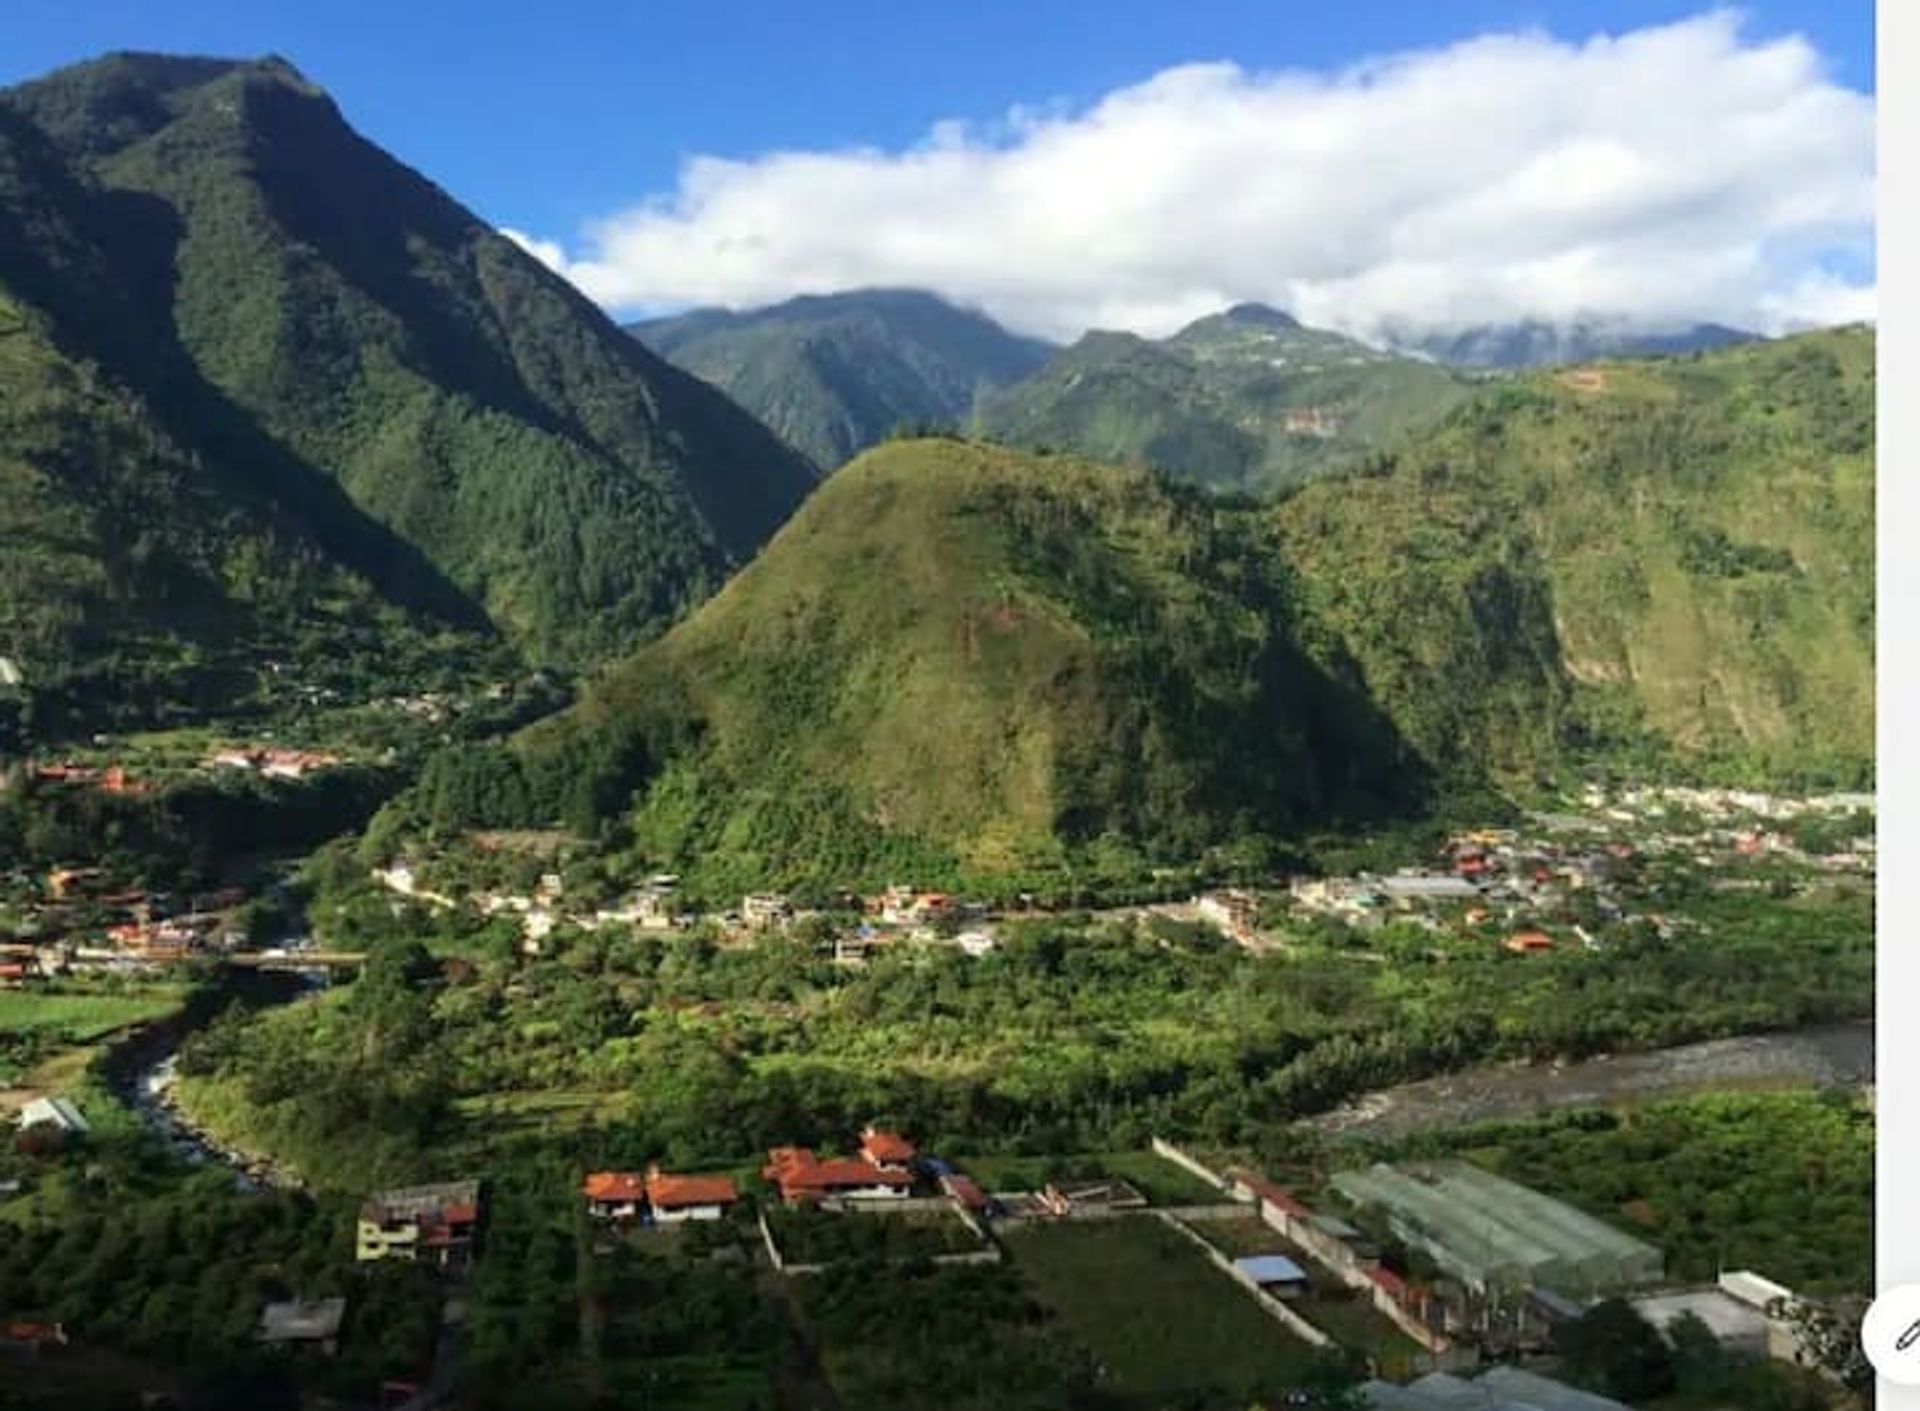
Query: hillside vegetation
x=835, y=374
x=960, y=659
x=961, y=655
x=1244, y=401
x=1663, y=564
x=350, y=328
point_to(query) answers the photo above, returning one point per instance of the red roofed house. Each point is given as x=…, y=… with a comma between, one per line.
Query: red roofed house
x=888, y=1150
x=1527, y=942
x=677, y=1198
x=801, y=1175
x=614, y=1195
x=31, y=1337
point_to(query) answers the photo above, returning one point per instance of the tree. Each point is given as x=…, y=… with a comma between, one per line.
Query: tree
x=1829, y=1335
x=1616, y=1351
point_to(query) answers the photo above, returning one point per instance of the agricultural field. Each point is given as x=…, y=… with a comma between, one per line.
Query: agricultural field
x=1158, y=1179
x=1329, y=1305
x=809, y=1236
x=81, y=1016
x=1158, y=1318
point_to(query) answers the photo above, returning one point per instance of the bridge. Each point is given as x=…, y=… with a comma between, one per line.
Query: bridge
x=297, y=960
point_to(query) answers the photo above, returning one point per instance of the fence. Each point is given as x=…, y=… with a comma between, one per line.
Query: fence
x=1273, y=1306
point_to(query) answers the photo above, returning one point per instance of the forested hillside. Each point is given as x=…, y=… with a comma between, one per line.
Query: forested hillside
x=836, y=373
x=352, y=324
x=1243, y=401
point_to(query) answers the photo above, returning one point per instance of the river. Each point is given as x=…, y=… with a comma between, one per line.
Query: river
x=141, y=1071
x=1838, y=1055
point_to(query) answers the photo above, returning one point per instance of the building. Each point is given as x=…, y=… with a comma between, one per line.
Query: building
x=1497, y=1389
x=432, y=1224
x=614, y=1195
x=1407, y=888
x=1493, y=1235
x=1275, y=1273
x=800, y=1175
x=888, y=1150
x=56, y=1112
x=303, y=1323
x=1743, y=1331
x=763, y=910
x=32, y=1338
x=673, y=1199
x=1529, y=942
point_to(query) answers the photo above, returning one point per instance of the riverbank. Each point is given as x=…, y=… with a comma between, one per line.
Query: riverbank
x=1839, y=1055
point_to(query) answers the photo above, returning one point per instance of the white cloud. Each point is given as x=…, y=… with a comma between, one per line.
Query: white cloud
x=1676, y=173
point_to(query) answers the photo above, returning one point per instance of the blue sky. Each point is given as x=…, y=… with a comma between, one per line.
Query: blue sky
x=570, y=119
x=542, y=116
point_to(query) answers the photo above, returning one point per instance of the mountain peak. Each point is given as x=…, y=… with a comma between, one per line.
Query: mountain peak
x=1261, y=315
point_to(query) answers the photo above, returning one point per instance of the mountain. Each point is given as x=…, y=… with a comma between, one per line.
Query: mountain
x=1657, y=568
x=141, y=577
x=836, y=373
x=1538, y=344
x=1247, y=400
x=1666, y=565
x=958, y=658
x=325, y=328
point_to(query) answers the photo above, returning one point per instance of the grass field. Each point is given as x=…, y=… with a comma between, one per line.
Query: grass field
x=1330, y=1306
x=1161, y=1320
x=1159, y=1180
x=80, y=1018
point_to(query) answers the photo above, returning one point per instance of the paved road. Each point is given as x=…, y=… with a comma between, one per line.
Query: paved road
x=1840, y=1055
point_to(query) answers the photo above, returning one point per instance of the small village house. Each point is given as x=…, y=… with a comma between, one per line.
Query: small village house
x=802, y=1176
x=673, y=1199
x=55, y=1112
x=32, y=1338
x=614, y=1195
x=432, y=1224
x=760, y=911
x=303, y=1324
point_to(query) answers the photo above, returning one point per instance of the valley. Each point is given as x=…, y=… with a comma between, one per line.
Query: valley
x=835, y=855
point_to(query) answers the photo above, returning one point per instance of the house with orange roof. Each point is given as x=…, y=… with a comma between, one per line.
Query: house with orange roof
x=614, y=1195
x=673, y=1199
x=888, y=1150
x=1529, y=942
x=801, y=1176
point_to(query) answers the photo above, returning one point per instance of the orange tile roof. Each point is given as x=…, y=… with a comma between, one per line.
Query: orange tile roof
x=614, y=1185
x=1277, y=1196
x=669, y=1192
x=883, y=1146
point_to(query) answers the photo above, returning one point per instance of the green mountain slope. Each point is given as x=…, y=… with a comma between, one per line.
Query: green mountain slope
x=136, y=579
x=365, y=328
x=957, y=657
x=834, y=374
x=1247, y=400
x=960, y=659
x=1666, y=562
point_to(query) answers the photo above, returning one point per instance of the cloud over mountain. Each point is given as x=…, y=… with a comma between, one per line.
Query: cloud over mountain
x=1668, y=174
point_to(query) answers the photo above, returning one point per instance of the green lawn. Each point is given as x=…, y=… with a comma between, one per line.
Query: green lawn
x=1331, y=1306
x=1159, y=1318
x=1159, y=1180
x=79, y=1018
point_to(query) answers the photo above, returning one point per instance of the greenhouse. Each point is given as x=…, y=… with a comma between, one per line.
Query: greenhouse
x=1491, y=1234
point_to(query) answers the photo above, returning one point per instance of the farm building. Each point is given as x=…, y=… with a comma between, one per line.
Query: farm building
x=1741, y=1329
x=303, y=1323
x=1275, y=1273
x=1490, y=1233
x=1501, y=1389
x=56, y=1112
x=675, y=1198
